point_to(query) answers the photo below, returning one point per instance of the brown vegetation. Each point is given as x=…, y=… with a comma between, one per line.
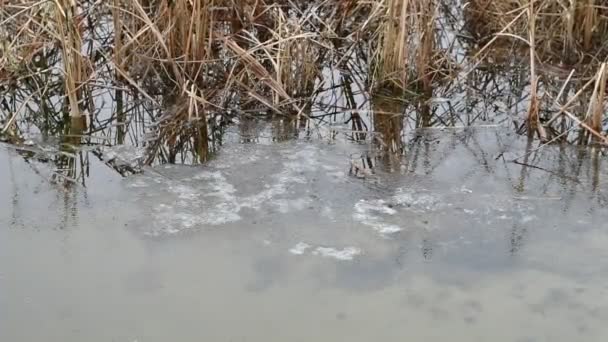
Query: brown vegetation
x=171, y=75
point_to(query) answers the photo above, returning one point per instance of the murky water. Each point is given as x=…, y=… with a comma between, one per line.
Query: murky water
x=278, y=242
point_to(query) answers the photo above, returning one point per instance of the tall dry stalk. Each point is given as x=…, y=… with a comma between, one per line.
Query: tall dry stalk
x=533, y=119
x=595, y=111
x=425, y=59
x=183, y=31
x=194, y=65
x=598, y=113
x=394, y=43
x=568, y=31
x=68, y=34
x=121, y=119
x=388, y=122
x=405, y=58
x=589, y=22
x=296, y=58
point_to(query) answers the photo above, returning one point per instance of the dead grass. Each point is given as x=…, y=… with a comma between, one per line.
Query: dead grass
x=172, y=75
x=567, y=32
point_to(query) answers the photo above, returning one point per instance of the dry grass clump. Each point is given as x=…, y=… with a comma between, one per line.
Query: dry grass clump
x=42, y=58
x=567, y=32
x=409, y=61
x=162, y=50
x=408, y=55
x=170, y=75
x=564, y=44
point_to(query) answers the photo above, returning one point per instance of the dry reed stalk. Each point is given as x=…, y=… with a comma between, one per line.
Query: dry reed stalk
x=260, y=72
x=189, y=34
x=563, y=108
x=162, y=50
x=282, y=65
x=296, y=65
x=568, y=32
x=388, y=121
x=196, y=113
x=68, y=33
x=424, y=63
x=156, y=30
x=533, y=119
x=404, y=63
x=393, y=54
x=569, y=17
x=595, y=111
x=598, y=113
x=133, y=48
x=121, y=119
x=194, y=61
x=589, y=23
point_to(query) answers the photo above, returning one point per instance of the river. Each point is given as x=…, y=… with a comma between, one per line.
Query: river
x=316, y=240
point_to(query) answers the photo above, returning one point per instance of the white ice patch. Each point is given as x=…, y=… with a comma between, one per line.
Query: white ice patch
x=210, y=204
x=237, y=157
x=219, y=186
x=304, y=159
x=371, y=213
x=279, y=188
x=466, y=190
x=381, y=214
x=287, y=205
x=169, y=219
x=528, y=218
x=378, y=206
x=208, y=199
x=184, y=192
x=138, y=183
x=328, y=212
x=300, y=248
x=124, y=153
x=344, y=254
x=416, y=201
x=299, y=161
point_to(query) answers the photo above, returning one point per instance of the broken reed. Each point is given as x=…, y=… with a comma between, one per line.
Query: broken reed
x=201, y=63
x=566, y=45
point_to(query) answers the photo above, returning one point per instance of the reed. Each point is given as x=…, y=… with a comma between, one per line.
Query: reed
x=388, y=123
x=393, y=59
x=68, y=35
x=176, y=73
x=567, y=32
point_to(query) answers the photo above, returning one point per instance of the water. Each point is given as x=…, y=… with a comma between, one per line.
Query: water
x=277, y=242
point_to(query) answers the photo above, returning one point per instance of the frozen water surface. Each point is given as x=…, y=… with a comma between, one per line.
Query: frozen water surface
x=277, y=242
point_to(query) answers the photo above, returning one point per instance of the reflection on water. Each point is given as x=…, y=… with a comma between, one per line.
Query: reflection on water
x=277, y=242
